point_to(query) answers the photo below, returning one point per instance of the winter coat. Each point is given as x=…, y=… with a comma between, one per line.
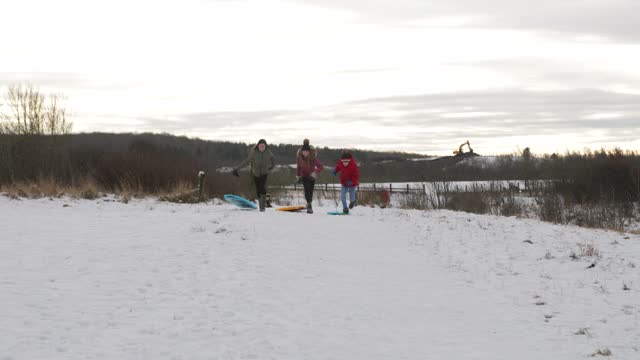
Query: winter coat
x=350, y=172
x=309, y=165
x=262, y=162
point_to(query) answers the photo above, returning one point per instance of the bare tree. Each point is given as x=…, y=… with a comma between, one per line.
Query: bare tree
x=438, y=194
x=29, y=113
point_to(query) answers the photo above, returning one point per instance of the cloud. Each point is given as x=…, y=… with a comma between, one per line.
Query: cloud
x=457, y=55
x=546, y=121
x=66, y=81
x=357, y=71
x=44, y=79
x=614, y=19
x=534, y=71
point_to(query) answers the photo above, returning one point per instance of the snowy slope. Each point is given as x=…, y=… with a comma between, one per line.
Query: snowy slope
x=149, y=280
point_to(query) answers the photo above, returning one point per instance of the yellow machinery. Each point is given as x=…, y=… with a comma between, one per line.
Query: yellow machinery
x=459, y=151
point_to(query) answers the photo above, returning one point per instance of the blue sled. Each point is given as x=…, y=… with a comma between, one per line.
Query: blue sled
x=239, y=201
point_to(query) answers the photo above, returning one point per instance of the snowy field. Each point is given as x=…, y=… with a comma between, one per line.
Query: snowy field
x=149, y=280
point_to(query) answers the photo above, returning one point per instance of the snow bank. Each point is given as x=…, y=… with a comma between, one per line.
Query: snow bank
x=101, y=279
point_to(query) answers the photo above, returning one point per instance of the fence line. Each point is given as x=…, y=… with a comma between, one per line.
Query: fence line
x=421, y=188
x=374, y=187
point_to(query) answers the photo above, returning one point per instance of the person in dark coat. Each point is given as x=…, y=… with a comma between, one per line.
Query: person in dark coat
x=307, y=170
x=262, y=161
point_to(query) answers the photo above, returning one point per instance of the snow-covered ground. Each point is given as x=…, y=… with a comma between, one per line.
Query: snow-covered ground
x=149, y=280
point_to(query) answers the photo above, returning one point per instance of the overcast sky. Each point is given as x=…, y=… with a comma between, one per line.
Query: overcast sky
x=413, y=75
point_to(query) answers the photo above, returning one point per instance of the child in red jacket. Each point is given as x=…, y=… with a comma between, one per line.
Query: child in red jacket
x=349, y=177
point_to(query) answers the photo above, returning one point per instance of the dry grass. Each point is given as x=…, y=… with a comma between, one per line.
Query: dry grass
x=373, y=199
x=48, y=188
x=415, y=201
x=473, y=202
x=183, y=193
x=589, y=250
x=44, y=187
x=611, y=216
x=507, y=204
x=602, y=352
x=583, y=331
x=88, y=188
x=551, y=208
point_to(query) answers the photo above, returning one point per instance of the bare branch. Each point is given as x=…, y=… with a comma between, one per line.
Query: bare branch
x=28, y=113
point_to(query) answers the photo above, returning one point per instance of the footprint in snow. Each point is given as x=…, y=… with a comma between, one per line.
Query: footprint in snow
x=198, y=229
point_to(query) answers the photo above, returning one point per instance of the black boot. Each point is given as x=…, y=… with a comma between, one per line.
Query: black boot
x=345, y=210
x=261, y=201
x=309, y=208
x=268, y=201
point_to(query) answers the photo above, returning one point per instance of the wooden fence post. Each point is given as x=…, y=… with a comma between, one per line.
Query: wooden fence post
x=200, y=185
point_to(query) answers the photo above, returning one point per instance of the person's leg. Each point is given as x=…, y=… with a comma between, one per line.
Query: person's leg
x=352, y=197
x=343, y=197
x=256, y=182
x=307, y=189
x=260, y=185
x=262, y=191
x=312, y=185
x=308, y=193
x=264, y=185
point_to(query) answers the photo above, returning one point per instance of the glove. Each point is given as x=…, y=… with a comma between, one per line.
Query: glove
x=235, y=172
x=334, y=173
x=314, y=175
x=349, y=182
x=299, y=179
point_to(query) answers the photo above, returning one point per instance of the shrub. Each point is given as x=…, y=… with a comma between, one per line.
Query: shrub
x=416, y=201
x=473, y=202
x=589, y=250
x=378, y=198
x=509, y=205
x=551, y=207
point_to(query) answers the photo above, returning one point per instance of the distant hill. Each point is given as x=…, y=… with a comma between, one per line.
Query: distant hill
x=148, y=161
x=160, y=161
x=155, y=159
x=218, y=153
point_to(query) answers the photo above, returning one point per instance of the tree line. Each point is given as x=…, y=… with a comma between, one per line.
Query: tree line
x=36, y=143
